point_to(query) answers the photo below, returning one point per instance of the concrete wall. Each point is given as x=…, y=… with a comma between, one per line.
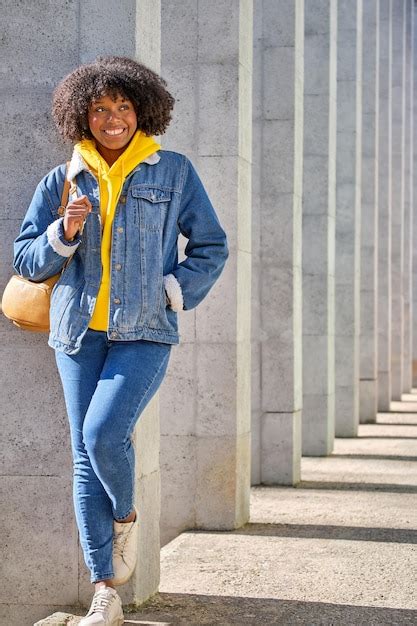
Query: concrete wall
x=397, y=195
x=205, y=408
x=348, y=211
x=414, y=194
x=319, y=207
x=179, y=399
x=384, y=206
x=408, y=201
x=256, y=321
x=280, y=256
x=368, y=387
x=36, y=475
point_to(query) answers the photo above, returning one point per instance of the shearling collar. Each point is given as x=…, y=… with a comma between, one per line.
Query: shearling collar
x=77, y=163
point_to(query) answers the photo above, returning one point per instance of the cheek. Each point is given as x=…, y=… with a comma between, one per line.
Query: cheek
x=133, y=121
x=92, y=122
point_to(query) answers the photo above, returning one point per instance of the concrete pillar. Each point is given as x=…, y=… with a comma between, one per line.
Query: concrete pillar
x=36, y=465
x=397, y=215
x=414, y=193
x=384, y=207
x=348, y=185
x=408, y=200
x=205, y=411
x=319, y=202
x=368, y=387
x=256, y=322
x=281, y=205
x=180, y=401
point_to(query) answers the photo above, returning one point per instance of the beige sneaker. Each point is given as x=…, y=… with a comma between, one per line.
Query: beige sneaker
x=125, y=549
x=105, y=609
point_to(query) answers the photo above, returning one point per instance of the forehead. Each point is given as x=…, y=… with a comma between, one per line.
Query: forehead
x=110, y=98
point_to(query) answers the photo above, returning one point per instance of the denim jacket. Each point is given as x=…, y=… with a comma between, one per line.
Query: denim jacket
x=162, y=197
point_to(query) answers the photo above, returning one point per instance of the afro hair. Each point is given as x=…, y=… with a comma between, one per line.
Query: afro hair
x=111, y=76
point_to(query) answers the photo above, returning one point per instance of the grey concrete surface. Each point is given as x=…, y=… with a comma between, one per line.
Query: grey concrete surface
x=384, y=207
x=348, y=208
x=414, y=193
x=281, y=236
x=408, y=198
x=338, y=549
x=319, y=191
x=40, y=554
x=205, y=411
x=256, y=318
x=368, y=386
x=397, y=197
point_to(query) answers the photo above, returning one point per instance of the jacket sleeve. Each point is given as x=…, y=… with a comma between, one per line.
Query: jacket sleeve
x=41, y=249
x=206, y=250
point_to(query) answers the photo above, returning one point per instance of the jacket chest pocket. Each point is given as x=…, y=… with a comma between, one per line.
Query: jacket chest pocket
x=151, y=206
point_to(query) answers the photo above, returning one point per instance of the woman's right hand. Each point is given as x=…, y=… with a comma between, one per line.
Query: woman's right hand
x=75, y=214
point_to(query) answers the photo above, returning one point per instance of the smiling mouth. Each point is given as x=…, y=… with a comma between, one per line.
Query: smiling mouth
x=114, y=132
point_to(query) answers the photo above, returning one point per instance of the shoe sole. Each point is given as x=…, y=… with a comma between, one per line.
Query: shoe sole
x=119, y=621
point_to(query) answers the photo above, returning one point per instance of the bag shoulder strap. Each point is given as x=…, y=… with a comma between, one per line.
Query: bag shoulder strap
x=65, y=192
x=64, y=202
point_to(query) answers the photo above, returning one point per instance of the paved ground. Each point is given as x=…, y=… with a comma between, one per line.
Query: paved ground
x=338, y=549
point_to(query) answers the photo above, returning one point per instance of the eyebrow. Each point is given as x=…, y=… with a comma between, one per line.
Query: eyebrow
x=100, y=101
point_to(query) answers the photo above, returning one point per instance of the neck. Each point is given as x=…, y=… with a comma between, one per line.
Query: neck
x=110, y=156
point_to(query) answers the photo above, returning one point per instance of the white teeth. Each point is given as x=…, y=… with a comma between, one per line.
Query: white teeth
x=116, y=131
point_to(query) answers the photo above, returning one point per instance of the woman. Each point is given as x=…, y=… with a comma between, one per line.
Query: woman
x=114, y=309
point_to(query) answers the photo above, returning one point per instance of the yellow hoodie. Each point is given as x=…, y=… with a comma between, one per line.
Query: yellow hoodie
x=111, y=181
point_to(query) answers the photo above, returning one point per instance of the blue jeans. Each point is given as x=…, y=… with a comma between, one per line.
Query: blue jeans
x=107, y=385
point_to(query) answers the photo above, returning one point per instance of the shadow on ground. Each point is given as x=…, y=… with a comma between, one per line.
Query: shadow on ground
x=338, y=533
x=164, y=608
x=348, y=486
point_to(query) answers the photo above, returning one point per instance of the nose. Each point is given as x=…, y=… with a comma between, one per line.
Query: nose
x=113, y=115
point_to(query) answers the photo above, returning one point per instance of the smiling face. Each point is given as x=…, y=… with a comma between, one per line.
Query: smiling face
x=112, y=124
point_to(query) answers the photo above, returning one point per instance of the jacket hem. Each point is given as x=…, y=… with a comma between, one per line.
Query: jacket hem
x=144, y=333
x=149, y=334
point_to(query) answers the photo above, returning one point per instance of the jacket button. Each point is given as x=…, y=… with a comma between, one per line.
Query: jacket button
x=122, y=200
x=119, y=229
x=116, y=301
x=118, y=266
x=113, y=335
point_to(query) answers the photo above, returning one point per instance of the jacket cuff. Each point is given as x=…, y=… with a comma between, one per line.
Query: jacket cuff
x=56, y=239
x=174, y=292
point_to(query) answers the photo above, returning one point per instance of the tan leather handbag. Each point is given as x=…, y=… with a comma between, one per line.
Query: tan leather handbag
x=26, y=302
